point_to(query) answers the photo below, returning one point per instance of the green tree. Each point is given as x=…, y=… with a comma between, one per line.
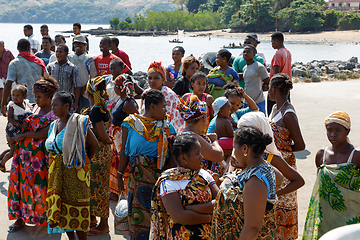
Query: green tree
x=254, y=15
x=193, y=5
x=229, y=9
x=128, y=20
x=301, y=15
x=114, y=22
x=331, y=19
x=350, y=21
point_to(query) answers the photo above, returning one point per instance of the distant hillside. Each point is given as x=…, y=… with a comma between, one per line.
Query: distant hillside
x=84, y=11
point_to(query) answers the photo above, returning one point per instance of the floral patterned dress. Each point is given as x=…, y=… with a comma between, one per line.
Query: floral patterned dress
x=29, y=176
x=287, y=207
x=196, y=191
x=229, y=217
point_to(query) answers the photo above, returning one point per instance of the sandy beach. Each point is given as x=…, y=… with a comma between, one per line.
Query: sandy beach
x=326, y=36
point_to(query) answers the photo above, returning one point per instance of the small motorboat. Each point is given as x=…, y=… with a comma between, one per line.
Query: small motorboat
x=233, y=46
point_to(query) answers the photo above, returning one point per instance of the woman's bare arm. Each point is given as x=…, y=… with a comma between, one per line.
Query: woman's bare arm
x=255, y=200
x=174, y=207
x=292, y=124
x=91, y=142
x=101, y=132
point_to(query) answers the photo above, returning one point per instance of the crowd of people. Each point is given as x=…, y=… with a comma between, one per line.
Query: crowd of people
x=202, y=156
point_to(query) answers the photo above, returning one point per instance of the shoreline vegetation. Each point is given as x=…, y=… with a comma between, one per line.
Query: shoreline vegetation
x=352, y=36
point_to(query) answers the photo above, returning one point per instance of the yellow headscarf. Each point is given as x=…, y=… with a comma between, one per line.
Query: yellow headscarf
x=341, y=118
x=100, y=97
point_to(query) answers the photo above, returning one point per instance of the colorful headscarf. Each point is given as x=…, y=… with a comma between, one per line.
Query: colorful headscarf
x=196, y=109
x=100, y=97
x=156, y=66
x=341, y=118
x=46, y=86
x=125, y=82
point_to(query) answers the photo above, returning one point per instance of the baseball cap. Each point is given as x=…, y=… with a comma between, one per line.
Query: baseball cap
x=219, y=103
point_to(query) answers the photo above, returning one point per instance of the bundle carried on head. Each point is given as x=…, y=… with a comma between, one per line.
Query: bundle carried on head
x=195, y=110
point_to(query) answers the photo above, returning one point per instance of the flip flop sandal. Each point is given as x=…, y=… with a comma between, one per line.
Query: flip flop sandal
x=14, y=227
x=94, y=232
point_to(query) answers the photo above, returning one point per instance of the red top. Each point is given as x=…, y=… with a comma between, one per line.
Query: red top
x=124, y=57
x=281, y=58
x=4, y=63
x=103, y=64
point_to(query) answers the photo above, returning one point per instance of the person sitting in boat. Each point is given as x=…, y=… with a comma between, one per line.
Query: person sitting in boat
x=222, y=74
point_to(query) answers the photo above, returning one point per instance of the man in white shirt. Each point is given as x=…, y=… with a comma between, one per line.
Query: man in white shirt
x=34, y=43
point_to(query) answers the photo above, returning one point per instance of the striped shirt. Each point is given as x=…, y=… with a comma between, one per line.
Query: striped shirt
x=67, y=75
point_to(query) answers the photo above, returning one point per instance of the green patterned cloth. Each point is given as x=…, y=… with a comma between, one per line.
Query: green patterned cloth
x=335, y=200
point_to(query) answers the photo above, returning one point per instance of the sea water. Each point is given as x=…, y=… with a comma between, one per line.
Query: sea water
x=144, y=50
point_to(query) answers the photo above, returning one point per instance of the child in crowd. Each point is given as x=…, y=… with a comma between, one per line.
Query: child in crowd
x=198, y=84
x=102, y=62
x=223, y=127
x=18, y=109
x=45, y=53
x=190, y=66
x=222, y=74
x=256, y=78
x=174, y=71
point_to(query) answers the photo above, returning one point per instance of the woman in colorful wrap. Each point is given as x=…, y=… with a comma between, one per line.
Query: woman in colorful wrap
x=222, y=74
x=245, y=205
x=28, y=179
x=101, y=162
x=156, y=76
x=195, y=115
x=272, y=155
x=126, y=105
x=288, y=139
x=191, y=65
x=145, y=148
x=174, y=71
x=70, y=144
x=335, y=198
x=183, y=197
x=235, y=96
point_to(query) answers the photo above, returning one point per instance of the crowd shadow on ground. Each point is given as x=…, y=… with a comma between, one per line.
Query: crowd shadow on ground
x=303, y=154
x=40, y=232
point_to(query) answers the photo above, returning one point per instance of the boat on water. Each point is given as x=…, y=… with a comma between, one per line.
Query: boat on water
x=179, y=35
x=233, y=46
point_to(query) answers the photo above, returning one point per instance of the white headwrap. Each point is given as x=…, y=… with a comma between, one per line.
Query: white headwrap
x=258, y=120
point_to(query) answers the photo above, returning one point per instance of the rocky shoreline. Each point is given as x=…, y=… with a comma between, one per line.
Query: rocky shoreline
x=318, y=70
x=314, y=71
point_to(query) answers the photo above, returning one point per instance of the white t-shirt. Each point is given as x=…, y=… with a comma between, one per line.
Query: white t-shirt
x=254, y=74
x=170, y=186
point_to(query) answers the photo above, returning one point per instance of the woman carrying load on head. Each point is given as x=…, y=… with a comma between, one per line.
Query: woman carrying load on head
x=145, y=148
x=70, y=144
x=338, y=167
x=195, y=115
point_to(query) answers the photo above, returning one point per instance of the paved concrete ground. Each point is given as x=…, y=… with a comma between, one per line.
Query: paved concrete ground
x=313, y=103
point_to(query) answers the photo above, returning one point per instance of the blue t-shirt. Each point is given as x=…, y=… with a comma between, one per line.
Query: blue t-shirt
x=220, y=83
x=137, y=144
x=236, y=116
x=53, y=138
